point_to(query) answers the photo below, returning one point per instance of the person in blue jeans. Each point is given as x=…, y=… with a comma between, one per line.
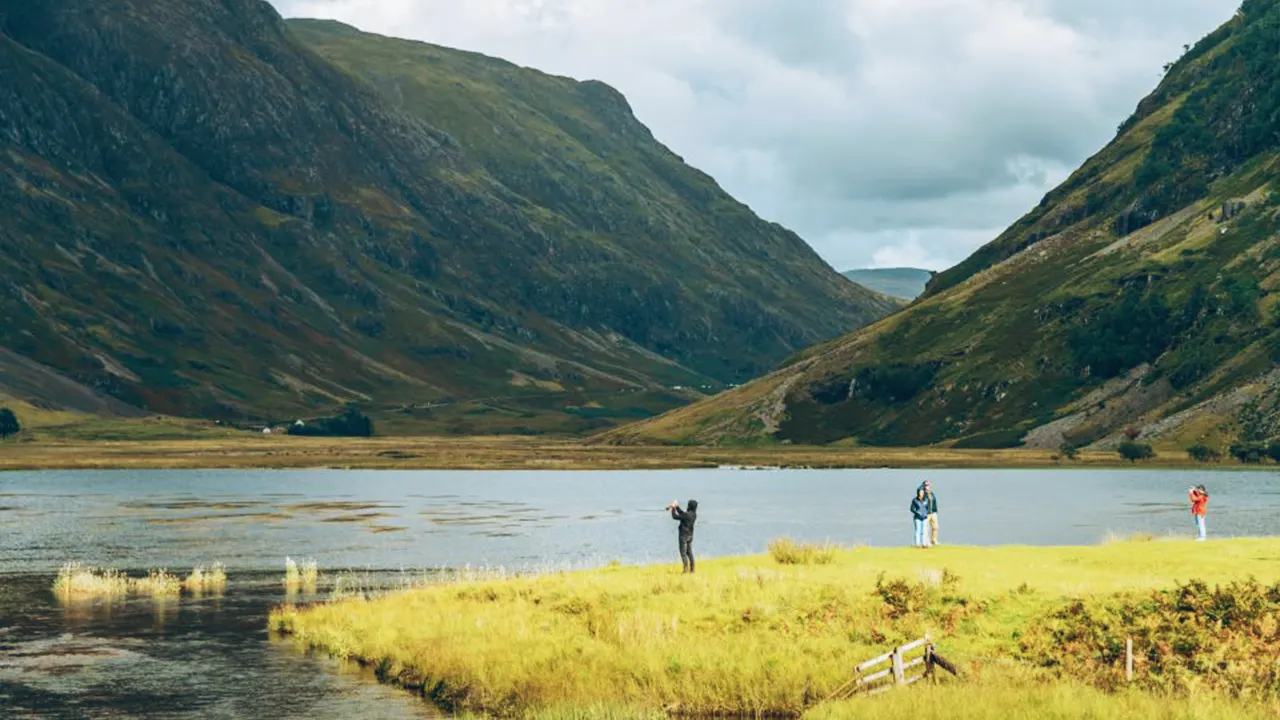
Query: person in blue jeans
x=920, y=515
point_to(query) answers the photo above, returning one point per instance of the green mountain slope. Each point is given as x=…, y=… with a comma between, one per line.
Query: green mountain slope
x=905, y=283
x=205, y=217
x=1137, y=296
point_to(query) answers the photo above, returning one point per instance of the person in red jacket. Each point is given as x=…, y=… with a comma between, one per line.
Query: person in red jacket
x=1199, y=501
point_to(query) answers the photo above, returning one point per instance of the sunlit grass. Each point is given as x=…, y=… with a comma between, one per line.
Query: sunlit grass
x=743, y=635
x=157, y=583
x=202, y=580
x=1016, y=693
x=788, y=552
x=77, y=581
x=304, y=576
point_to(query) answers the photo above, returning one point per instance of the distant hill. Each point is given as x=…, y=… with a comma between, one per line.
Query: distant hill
x=210, y=212
x=905, y=283
x=1140, y=297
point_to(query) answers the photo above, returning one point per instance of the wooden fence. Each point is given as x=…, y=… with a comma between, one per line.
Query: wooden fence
x=901, y=670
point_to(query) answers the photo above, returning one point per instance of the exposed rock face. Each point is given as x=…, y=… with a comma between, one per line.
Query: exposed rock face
x=203, y=216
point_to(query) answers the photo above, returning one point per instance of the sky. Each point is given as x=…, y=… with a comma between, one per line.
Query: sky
x=885, y=132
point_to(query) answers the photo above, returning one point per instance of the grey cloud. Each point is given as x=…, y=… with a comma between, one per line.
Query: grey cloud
x=880, y=130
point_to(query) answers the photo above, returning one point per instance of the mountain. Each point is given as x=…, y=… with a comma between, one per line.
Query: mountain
x=905, y=283
x=209, y=212
x=1137, y=297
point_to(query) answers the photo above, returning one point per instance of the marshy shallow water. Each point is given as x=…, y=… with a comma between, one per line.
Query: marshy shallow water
x=211, y=657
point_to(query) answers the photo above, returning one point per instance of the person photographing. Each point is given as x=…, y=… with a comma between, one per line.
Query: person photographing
x=1199, y=507
x=687, y=518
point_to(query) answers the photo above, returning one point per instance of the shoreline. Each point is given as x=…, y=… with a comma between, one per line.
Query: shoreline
x=755, y=635
x=533, y=453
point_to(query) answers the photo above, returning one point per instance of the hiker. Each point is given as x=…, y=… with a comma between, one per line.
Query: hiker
x=1199, y=500
x=920, y=515
x=686, y=518
x=927, y=486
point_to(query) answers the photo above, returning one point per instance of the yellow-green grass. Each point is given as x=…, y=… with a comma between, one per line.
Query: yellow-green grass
x=304, y=576
x=1004, y=694
x=77, y=582
x=201, y=580
x=743, y=635
x=789, y=552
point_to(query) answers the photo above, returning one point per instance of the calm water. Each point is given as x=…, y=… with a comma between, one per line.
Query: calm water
x=212, y=657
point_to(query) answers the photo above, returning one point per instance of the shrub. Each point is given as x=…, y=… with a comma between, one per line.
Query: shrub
x=1203, y=453
x=1189, y=638
x=351, y=423
x=788, y=552
x=8, y=423
x=1273, y=451
x=1135, y=451
x=1250, y=453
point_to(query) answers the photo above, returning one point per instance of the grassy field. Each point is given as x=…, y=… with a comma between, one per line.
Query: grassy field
x=756, y=636
x=242, y=450
x=160, y=445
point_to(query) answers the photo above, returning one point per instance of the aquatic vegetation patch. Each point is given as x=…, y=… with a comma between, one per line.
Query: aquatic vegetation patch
x=202, y=580
x=78, y=581
x=157, y=583
x=304, y=576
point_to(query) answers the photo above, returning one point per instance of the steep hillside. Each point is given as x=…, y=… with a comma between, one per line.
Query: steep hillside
x=1139, y=293
x=204, y=217
x=904, y=283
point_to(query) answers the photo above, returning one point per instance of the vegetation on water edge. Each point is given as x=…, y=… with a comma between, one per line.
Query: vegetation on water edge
x=755, y=636
x=201, y=579
x=77, y=581
x=304, y=576
x=789, y=552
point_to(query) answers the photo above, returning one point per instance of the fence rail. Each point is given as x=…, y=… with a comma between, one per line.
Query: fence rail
x=868, y=680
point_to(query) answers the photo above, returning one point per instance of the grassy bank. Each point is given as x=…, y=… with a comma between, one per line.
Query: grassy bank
x=241, y=450
x=752, y=635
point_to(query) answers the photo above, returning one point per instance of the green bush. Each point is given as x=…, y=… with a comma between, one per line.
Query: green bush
x=8, y=423
x=351, y=423
x=1203, y=453
x=1135, y=451
x=1190, y=638
x=1250, y=453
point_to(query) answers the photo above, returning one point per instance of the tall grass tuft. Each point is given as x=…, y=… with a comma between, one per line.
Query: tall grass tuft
x=77, y=581
x=304, y=576
x=788, y=552
x=157, y=583
x=202, y=580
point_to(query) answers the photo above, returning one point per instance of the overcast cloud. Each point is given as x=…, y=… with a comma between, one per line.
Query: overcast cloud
x=885, y=132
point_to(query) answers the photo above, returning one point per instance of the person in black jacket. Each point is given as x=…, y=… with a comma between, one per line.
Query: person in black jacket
x=687, y=518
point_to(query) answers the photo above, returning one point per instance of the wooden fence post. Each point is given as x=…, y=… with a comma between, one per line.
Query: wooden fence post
x=899, y=674
x=1128, y=660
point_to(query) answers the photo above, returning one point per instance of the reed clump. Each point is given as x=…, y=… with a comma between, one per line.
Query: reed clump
x=78, y=581
x=206, y=580
x=156, y=583
x=789, y=552
x=303, y=576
